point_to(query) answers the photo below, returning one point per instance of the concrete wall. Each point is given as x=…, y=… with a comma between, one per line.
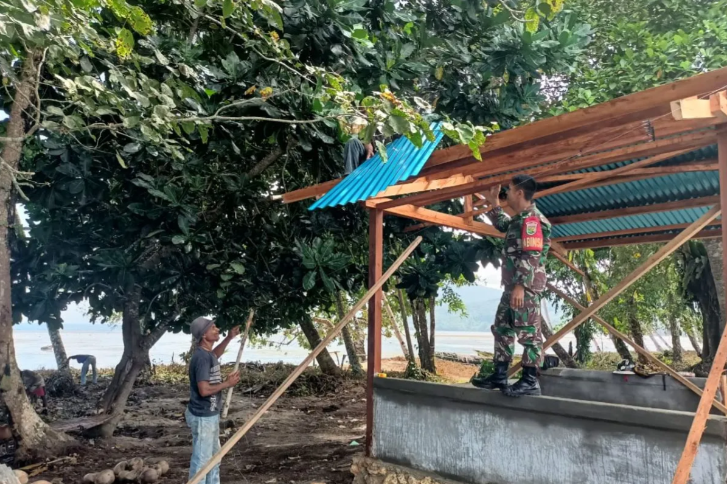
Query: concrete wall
x=482, y=437
x=603, y=386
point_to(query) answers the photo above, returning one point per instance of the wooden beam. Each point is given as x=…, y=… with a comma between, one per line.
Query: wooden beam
x=422, y=185
x=622, y=233
x=601, y=113
x=650, y=263
x=642, y=351
x=468, y=208
x=643, y=239
x=235, y=438
x=691, y=108
x=568, y=263
x=444, y=220
x=624, y=212
x=686, y=461
x=718, y=105
x=310, y=192
x=376, y=262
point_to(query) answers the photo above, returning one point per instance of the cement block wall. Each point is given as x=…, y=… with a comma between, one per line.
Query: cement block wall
x=482, y=437
x=658, y=391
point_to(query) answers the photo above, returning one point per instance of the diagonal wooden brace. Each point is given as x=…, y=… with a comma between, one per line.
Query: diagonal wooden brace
x=637, y=348
x=654, y=260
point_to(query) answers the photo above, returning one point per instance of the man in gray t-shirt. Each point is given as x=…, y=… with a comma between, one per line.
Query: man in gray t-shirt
x=205, y=388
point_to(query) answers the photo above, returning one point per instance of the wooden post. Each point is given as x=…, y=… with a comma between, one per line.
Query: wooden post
x=651, y=262
x=720, y=358
x=301, y=368
x=468, y=209
x=376, y=261
x=228, y=399
x=636, y=347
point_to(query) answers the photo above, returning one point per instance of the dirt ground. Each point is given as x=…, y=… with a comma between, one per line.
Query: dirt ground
x=309, y=436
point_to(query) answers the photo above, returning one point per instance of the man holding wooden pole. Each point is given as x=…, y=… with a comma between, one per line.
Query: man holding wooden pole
x=205, y=400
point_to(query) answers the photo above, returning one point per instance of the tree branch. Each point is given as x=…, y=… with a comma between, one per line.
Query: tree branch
x=271, y=158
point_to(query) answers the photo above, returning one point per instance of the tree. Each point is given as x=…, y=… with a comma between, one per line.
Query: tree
x=154, y=146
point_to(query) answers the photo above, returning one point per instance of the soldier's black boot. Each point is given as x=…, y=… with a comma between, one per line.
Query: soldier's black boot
x=496, y=381
x=527, y=385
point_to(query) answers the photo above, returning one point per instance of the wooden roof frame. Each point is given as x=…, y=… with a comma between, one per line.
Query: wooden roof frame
x=649, y=125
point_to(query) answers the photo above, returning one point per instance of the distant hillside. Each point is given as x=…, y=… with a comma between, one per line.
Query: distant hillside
x=481, y=303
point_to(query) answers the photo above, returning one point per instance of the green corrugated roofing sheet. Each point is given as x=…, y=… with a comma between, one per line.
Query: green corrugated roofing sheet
x=668, y=188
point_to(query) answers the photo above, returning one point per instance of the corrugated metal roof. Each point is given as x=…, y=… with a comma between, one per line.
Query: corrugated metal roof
x=667, y=188
x=659, y=219
x=375, y=175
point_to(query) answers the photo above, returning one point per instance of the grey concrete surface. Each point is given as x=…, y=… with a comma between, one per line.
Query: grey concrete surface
x=481, y=437
x=603, y=386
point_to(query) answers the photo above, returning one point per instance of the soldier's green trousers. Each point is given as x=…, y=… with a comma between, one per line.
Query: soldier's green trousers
x=522, y=324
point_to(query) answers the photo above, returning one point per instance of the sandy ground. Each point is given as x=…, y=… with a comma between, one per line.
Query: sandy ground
x=309, y=438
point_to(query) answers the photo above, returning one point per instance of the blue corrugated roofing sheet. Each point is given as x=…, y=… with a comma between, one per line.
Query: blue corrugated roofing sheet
x=375, y=175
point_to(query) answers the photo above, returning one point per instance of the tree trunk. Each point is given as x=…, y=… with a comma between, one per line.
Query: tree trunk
x=547, y=333
x=36, y=437
x=432, y=325
x=621, y=348
x=426, y=358
x=405, y=321
x=676, y=343
x=704, y=291
x=325, y=361
x=694, y=341
x=353, y=361
x=59, y=350
x=714, y=253
x=134, y=359
x=637, y=332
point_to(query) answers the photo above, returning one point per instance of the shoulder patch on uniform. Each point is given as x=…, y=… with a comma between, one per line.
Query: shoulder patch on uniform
x=532, y=234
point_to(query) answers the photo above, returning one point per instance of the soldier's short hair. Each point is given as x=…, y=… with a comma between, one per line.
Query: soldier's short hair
x=527, y=184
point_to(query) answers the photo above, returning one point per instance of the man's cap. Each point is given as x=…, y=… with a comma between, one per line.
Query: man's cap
x=200, y=326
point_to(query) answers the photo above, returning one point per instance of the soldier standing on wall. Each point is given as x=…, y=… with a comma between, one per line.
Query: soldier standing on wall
x=527, y=241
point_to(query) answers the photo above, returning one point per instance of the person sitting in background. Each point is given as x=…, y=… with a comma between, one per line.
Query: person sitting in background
x=85, y=361
x=34, y=387
x=354, y=151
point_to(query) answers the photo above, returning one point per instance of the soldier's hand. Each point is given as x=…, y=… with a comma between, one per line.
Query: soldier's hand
x=493, y=196
x=517, y=298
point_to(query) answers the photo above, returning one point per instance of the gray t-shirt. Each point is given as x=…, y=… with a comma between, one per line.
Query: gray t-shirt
x=204, y=367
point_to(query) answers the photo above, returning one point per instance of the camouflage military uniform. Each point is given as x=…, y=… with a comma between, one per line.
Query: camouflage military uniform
x=527, y=241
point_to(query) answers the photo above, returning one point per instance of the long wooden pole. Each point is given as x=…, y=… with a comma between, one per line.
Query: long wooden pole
x=228, y=399
x=655, y=259
x=636, y=347
x=681, y=476
x=299, y=370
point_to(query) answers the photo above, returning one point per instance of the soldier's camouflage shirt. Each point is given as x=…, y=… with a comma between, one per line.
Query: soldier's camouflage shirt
x=527, y=241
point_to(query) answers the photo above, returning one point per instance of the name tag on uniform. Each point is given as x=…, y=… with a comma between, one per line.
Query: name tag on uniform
x=532, y=234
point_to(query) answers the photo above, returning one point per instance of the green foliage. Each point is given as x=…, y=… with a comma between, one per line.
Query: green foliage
x=643, y=43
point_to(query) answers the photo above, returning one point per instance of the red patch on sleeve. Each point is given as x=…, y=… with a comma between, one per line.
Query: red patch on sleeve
x=532, y=234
